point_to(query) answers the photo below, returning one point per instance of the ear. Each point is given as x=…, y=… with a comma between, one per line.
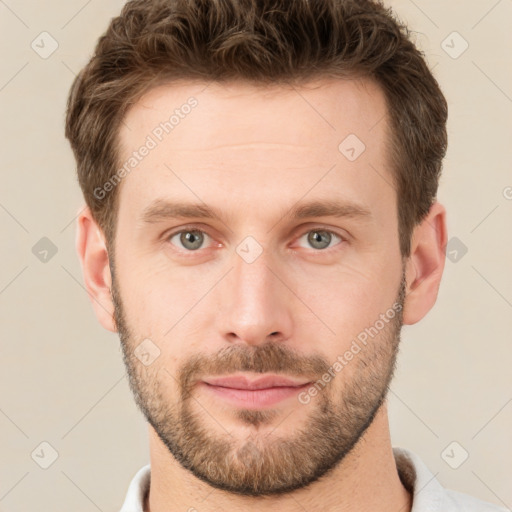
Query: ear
x=92, y=251
x=425, y=265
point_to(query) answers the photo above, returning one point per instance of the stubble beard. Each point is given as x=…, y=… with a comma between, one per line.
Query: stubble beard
x=261, y=464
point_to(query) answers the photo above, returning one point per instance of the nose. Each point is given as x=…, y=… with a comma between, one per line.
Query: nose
x=256, y=303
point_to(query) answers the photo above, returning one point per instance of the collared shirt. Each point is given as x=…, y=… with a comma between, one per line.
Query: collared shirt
x=428, y=494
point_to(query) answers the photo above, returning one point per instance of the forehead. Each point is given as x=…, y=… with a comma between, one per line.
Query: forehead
x=249, y=139
x=226, y=113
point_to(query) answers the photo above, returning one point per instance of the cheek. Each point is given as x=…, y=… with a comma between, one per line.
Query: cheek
x=347, y=300
x=153, y=299
x=166, y=308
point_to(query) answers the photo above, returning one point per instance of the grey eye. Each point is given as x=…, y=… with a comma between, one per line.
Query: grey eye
x=190, y=239
x=320, y=239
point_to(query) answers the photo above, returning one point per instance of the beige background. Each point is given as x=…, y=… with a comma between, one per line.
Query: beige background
x=61, y=375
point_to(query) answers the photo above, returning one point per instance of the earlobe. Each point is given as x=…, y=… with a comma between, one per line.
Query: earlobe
x=93, y=255
x=424, y=267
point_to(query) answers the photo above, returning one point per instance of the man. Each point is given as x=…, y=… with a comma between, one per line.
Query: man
x=261, y=180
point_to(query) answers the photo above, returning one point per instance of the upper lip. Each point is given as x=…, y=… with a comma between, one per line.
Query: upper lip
x=243, y=382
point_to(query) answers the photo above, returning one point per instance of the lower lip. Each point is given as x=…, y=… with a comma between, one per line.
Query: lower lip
x=254, y=399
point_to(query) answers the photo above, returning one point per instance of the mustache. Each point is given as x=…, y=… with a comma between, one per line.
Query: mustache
x=270, y=357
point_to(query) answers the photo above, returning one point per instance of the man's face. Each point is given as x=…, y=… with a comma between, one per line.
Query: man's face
x=257, y=290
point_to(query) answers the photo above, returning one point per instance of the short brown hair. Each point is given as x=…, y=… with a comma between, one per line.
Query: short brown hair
x=266, y=42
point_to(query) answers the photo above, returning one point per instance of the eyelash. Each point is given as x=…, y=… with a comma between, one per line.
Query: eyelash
x=185, y=229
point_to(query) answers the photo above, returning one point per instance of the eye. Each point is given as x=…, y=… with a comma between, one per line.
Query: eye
x=321, y=238
x=193, y=239
x=190, y=239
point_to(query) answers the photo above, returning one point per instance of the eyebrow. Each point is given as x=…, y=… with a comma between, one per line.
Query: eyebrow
x=162, y=209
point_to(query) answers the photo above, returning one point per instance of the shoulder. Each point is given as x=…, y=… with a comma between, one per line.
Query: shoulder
x=464, y=502
x=429, y=494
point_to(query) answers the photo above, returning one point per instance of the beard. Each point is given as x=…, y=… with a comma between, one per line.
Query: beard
x=261, y=464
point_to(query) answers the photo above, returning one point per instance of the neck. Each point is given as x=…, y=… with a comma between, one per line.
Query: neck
x=366, y=480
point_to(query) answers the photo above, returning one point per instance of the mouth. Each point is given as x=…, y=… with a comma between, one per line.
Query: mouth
x=258, y=393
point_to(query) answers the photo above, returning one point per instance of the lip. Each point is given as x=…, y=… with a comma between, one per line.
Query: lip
x=259, y=393
x=242, y=382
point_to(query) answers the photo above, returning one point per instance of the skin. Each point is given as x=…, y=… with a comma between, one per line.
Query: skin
x=253, y=153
